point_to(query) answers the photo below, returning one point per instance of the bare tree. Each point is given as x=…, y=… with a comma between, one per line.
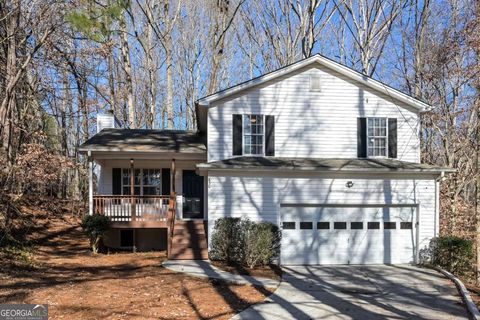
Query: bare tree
x=370, y=23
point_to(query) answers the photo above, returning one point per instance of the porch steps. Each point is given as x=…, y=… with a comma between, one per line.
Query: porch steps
x=189, y=241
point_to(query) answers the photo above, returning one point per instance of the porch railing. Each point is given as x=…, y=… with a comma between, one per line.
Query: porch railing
x=132, y=208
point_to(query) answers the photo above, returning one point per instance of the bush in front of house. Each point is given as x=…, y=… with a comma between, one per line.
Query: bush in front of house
x=262, y=244
x=454, y=254
x=244, y=242
x=95, y=226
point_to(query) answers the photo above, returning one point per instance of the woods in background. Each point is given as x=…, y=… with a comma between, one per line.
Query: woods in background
x=62, y=62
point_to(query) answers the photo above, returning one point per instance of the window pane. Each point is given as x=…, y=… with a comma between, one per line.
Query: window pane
x=246, y=124
x=373, y=225
x=339, y=225
x=288, y=225
x=406, y=225
x=389, y=225
x=151, y=177
x=356, y=225
x=138, y=177
x=126, y=176
x=306, y=225
x=151, y=191
x=323, y=225
x=126, y=191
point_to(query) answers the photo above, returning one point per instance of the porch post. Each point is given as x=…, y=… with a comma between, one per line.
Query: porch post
x=90, y=183
x=172, y=176
x=132, y=189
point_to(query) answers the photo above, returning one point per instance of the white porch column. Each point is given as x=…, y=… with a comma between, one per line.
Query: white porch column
x=90, y=183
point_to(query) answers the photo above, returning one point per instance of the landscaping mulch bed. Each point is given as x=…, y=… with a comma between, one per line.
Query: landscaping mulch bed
x=78, y=285
x=270, y=272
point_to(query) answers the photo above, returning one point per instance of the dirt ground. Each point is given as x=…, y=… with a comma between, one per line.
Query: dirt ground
x=77, y=285
x=270, y=272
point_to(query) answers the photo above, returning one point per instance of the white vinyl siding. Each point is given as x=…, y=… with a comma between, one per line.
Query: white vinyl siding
x=259, y=196
x=320, y=124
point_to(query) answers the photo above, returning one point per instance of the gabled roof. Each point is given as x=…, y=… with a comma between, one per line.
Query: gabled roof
x=348, y=72
x=379, y=165
x=145, y=140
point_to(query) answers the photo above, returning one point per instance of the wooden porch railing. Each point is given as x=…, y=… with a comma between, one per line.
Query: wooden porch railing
x=132, y=208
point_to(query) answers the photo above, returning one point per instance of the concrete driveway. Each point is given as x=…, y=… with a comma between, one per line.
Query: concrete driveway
x=360, y=292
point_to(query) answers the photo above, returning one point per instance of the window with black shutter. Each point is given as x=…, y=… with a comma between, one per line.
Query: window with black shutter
x=376, y=137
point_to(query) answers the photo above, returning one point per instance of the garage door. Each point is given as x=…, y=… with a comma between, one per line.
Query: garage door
x=347, y=235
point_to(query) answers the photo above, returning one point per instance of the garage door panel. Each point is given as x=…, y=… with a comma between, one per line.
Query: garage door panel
x=366, y=235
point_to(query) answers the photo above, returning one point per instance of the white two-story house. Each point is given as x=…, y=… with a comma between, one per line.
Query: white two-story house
x=329, y=155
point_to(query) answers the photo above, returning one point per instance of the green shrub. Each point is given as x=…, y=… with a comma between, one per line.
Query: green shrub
x=95, y=226
x=262, y=244
x=226, y=240
x=241, y=241
x=454, y=254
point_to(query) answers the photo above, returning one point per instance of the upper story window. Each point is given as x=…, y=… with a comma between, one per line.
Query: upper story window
x=377, y=137
x=253, y=134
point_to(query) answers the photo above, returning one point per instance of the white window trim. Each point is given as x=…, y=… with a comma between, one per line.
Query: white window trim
x=263, y=135
x=141, y=185
x=386, y=138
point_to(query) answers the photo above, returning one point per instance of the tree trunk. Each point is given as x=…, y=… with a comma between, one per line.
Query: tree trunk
x=127, y=68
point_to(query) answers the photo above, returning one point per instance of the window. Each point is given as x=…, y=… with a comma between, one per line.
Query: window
x=147, y=181
x=323, y=225
x=377, y=137
x=373, y=225
x=405, y=225
x=356, y=225
x=126, y=181
x=151, y=181
x=253, y=134
x=288, y=225
x=389, y=225
x=339, y=225
x=306, y=225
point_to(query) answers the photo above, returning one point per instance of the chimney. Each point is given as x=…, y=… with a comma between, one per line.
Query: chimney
x=107, y=121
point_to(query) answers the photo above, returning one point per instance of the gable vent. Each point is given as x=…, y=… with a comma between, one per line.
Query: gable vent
x=315, y=83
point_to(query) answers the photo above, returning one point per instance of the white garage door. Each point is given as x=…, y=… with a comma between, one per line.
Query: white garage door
x=348, y=235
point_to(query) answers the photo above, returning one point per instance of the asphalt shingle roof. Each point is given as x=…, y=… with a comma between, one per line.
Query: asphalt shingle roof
x=145, y=140
x=321, y=164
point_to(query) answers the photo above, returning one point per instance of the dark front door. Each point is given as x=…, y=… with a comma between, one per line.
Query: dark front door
x=192, y=195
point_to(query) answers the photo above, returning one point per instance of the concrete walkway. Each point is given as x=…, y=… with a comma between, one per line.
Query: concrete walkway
x=360, y=292
x=204, y=269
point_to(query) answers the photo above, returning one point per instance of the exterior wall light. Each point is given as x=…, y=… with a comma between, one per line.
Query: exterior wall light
x=349, y=184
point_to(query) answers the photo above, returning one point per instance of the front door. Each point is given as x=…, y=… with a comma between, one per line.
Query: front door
x=192, y=195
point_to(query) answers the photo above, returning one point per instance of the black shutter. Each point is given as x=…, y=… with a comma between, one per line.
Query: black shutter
x=237, y=135
x=270, y=135
x=116, y=181
x=362, y=137
x=166, y=182
x=392, y=137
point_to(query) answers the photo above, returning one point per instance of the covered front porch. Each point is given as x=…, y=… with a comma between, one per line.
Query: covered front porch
x=140, y=193
x=147, y=180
